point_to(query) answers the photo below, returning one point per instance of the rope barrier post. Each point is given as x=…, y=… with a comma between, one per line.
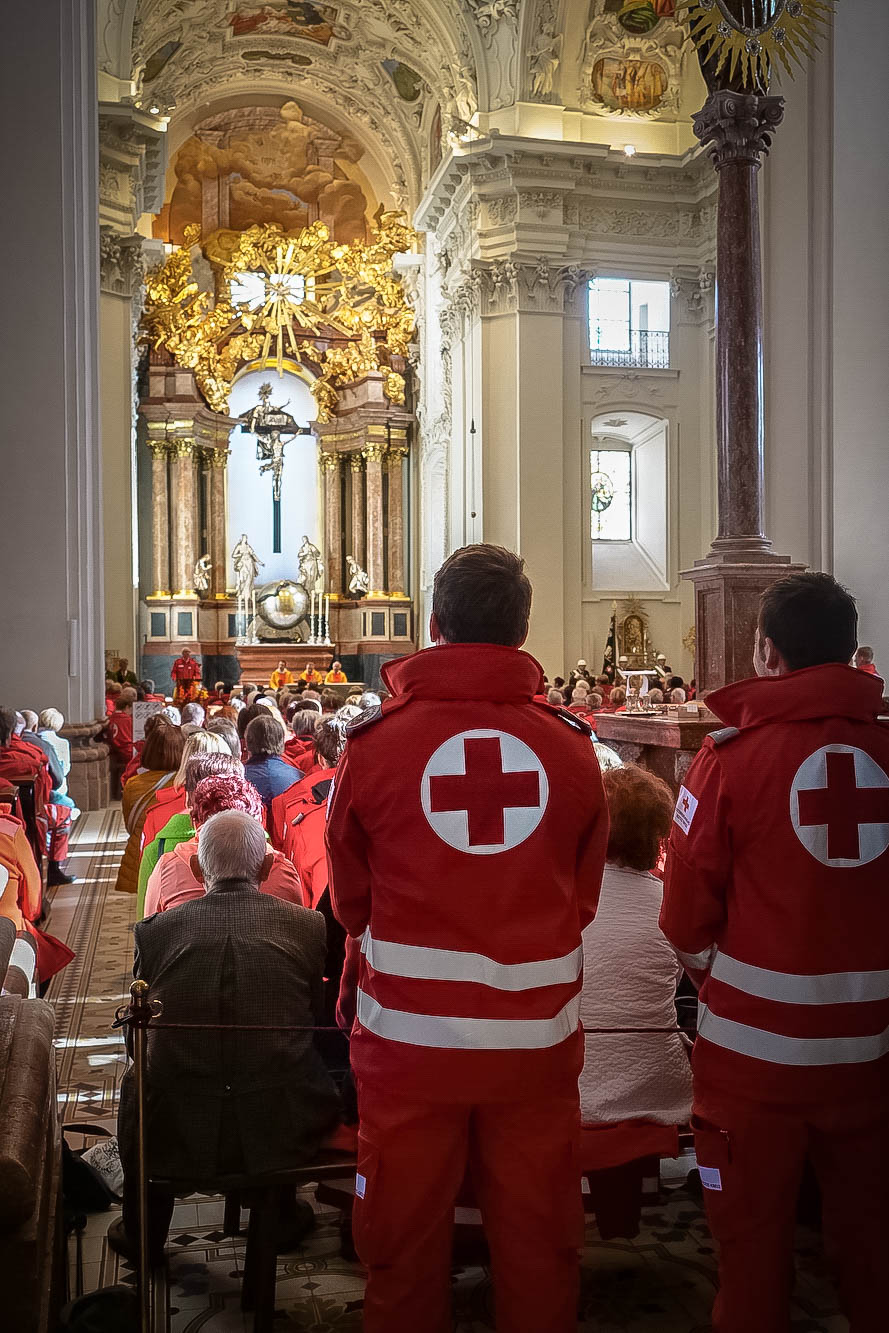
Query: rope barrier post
x=139, y=1017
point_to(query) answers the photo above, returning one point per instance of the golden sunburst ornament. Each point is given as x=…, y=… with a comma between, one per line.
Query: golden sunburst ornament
x=760, y=32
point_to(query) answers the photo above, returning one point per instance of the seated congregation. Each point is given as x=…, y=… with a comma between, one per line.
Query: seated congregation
x=448, y=942
x=320, y=899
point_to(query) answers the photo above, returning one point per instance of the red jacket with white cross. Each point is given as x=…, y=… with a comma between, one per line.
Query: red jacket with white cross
x=776, y=891
x=466, y=841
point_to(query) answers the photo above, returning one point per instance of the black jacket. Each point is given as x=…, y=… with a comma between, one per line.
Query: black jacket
x=234, y=956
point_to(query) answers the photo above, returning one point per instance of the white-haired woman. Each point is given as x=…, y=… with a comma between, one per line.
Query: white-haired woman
x=50, y=724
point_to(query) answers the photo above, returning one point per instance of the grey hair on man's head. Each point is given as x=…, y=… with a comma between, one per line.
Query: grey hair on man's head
x=31, y=720
x=231, y=846
x=19, y=723
x=193, y=713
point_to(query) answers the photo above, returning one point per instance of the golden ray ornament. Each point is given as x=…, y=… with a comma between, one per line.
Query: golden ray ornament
x=272, y=289
x=750, y=35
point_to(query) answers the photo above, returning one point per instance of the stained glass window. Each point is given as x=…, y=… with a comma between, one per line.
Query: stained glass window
x=611, y=495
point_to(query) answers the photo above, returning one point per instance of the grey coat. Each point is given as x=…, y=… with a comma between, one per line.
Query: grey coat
x=221, y=1101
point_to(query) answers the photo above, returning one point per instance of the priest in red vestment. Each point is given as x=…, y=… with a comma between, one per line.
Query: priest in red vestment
x=186, y=677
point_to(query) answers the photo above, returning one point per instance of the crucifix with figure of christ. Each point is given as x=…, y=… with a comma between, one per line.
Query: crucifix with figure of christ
x=274, y=428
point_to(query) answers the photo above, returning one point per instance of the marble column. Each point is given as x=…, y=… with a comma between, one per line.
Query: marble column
x=356, y=464
x=373, y=457
x=160, y=520
x=395, y=462
x=333, y=522
x=218, y=554
x=736, y=128
x=185, y=519
x=51, y=543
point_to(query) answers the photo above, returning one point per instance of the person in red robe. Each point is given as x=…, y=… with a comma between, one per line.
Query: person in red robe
x=186, y=677
x=864, y=661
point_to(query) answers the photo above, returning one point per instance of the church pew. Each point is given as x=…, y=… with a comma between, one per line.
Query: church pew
x=31, y=1235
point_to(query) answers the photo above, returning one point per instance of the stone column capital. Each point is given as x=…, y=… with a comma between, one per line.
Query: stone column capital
x=374, y=453
x=737, y=127
x=328, y=461
x=158, y=448
x=356, y=463
x=182, y=448
x=217, y=458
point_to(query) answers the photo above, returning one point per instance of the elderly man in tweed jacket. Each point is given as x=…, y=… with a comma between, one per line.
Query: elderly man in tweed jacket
x=223, y=1102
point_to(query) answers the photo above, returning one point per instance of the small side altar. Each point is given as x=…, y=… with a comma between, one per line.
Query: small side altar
x=259, y=660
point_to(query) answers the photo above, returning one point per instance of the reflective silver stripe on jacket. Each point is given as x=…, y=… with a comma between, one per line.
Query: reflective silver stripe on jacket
x=778, y=1049
x=425, y=964
x=467, y=1034
x=795, y=988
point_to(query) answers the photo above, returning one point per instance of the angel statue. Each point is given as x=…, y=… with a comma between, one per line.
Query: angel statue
x=358, y=580
x=202, y=575
x=310, y=565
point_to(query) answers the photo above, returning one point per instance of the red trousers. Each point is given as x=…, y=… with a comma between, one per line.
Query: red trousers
x=756, y=1153
x=412, y=1158
x=58, y=818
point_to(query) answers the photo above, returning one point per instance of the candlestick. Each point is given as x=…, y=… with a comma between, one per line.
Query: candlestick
x=327, y=619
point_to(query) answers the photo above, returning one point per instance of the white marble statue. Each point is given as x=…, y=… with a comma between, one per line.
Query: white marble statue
x=247, y=565
x=310, y=565
x=202, y=570
x=358, y=580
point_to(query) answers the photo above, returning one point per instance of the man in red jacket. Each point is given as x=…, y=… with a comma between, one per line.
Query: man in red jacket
x=466, y=839
x=776, y=902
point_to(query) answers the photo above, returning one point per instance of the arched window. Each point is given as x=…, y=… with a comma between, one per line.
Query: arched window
x=611, y=495
x=627, y=501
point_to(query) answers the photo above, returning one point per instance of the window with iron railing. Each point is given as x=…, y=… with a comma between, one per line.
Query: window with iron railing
x=629, y=323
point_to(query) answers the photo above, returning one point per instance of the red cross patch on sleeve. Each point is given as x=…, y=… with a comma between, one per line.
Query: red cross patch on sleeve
x=686, y=805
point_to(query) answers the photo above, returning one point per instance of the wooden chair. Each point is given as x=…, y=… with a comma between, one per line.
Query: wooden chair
x=260, y=1195
x=27, y=791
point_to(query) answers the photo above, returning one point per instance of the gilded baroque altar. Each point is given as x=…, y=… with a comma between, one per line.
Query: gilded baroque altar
x=265, y=299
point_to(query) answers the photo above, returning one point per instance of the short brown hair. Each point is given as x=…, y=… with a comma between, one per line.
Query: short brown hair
x=164, y=743
x=246, y=716
x=264, y=736
x=811, y=619
x=329, y=739
x=640, y=808
x=618, y=695
x=482, y=595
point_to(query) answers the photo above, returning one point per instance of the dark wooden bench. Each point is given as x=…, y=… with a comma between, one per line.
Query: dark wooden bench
x=31, y=1234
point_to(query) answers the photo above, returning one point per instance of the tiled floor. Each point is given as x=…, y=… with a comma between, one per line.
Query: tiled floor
x=663, y=1282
